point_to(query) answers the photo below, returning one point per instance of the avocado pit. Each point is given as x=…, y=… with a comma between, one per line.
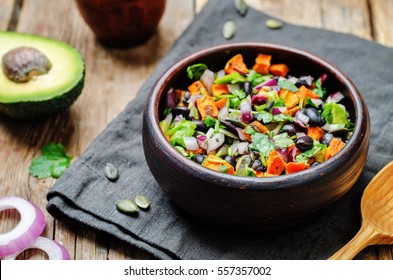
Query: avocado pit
x=24, y=63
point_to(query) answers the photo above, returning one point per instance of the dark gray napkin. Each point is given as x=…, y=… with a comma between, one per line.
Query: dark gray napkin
x=84, y=195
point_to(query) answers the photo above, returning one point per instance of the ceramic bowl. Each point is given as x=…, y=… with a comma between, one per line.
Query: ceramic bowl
x=249, y=203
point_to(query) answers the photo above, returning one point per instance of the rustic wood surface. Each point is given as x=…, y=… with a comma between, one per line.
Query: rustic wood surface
x=106, y=92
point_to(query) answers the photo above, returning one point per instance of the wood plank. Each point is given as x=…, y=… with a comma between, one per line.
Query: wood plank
x=6, y=10
x=382, y=21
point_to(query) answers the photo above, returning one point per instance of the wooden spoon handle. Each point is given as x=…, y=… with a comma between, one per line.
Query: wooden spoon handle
x=361, y=240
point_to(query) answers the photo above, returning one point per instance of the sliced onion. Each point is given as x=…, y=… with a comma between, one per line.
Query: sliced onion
x=54, y=249
x=242, y=147
x=293, y=80
x=207, y=80
x=190, y=143
x=202, y=141
x=171, y=98
x=169, y=118
x=300, y=134
x=235, y=146
x=209, y=133
x=232, y=88
x=335, y=97
x=275, y=88
x=215, y=142
x=279, y=110
x=269, y=83
x=223, y=113
x=32, y=223
x=283, y=153
x=245, y=108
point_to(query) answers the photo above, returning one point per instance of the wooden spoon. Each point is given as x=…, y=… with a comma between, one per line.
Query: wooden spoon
x=377, y=216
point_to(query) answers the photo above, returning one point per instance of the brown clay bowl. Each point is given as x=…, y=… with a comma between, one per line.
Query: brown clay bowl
x=249, y=203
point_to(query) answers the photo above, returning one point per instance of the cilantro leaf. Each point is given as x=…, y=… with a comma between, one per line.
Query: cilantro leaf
x=256, y=78
x=264, y=116
x=321, y=91
x=261, y=143
x=52, y=163
x=209, y=121
x=194, y=72
x=285, y=84
x=282, y=141
x=282, y=118
x=305, y=156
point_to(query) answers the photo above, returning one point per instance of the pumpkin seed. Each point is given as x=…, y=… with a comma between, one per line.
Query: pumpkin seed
x=111, y=172
x=274, y=24
x=241, y=7
x=229, y=29
x=127, y=206
x=142, y=201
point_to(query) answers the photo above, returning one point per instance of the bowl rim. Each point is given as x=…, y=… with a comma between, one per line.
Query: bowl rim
x=266, y=183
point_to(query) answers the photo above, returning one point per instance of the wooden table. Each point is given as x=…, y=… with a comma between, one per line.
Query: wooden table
x=112, y=80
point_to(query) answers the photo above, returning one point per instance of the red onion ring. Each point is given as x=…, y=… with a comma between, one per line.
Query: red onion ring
x=32, y=223
x=54, y=249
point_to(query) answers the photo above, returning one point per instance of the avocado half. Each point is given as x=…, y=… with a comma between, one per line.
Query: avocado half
x=44, y=94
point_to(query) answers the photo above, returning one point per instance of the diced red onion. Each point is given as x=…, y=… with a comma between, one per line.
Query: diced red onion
x=177, y=120
x=54, y=249
x=232, y=88
x=202, y=141
x=323, y=78
x=242, y=147
x=283, y=154
x=258, y=99
x=240, y=134
x=335, y=97
x=171, y=98
x=32, y=223
x=190, y=143
x=223, y=113
x=235, y=146
x=299, y=123
x=245, y=108
x=292, y=155
x=207, y=80
x=275, y=88
x=269, y=83
x=221, y=73
x=279, y=110
x=215, y=142
x=193, y=98
x=302, y=117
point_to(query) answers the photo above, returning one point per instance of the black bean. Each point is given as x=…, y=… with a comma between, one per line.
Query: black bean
x=257, y=165
x=181, y=110
x=314, y=116
x=304, y=143
x=304, y=81
x=327, y=138
x=230, y=160
x=290, y=129
x=199, y=158
x=200, y=125
x=247, y=87
x=229, y=126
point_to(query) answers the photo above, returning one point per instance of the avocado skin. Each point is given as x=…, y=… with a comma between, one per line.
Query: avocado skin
x=40, y=109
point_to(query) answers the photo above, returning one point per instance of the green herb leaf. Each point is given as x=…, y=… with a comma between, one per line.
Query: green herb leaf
x=52, y=163
x=233, y=78
x=261, y=143
x=282, y=118
x=249, y=130
x=305, y=156
x=282, y=141
x=184, y=128
x=333, y=113
x=210, y=121
x=256, y=78
x=264, y=117
x=223, y=169
x=322, y=92
x=285, y=84
x=194, y=72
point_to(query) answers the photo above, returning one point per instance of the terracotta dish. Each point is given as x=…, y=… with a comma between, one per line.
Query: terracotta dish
x=249, y=203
